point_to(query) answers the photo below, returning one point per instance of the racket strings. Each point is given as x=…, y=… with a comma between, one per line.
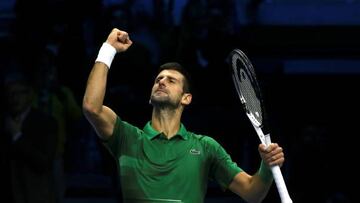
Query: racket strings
x=243, y=78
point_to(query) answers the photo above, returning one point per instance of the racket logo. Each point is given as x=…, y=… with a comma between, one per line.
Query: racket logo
x=243, y=75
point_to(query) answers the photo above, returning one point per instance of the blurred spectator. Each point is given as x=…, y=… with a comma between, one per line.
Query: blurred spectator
x=58, y=101
x=27, y=145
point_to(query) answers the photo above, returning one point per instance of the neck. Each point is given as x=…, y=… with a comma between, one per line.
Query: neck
x=166, y=121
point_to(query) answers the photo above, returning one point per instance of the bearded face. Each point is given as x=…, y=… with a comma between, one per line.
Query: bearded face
x=167, y=90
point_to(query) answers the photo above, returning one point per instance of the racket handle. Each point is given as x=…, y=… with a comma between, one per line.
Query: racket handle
x=278, y=177
x=280, y=184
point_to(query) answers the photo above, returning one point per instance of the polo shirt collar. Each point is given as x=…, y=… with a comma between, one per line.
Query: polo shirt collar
x=151, y=133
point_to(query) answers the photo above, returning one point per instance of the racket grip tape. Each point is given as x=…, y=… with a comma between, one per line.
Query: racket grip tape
x=280, y=184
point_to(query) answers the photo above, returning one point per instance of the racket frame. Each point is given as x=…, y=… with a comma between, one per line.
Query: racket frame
x=259, y=127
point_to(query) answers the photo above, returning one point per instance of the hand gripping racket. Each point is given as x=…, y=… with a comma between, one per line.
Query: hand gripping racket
x=248, y=89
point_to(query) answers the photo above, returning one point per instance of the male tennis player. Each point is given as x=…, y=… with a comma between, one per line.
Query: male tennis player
x=164, y=162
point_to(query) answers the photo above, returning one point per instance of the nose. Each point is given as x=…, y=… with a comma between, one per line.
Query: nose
x=162, y=81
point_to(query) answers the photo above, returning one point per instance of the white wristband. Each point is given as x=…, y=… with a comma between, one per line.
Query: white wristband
x=106, y=54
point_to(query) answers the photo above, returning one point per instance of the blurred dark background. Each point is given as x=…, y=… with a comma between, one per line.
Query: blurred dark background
x=306, y=54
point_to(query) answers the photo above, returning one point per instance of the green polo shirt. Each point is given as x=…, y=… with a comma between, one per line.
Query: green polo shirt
x=153, y=168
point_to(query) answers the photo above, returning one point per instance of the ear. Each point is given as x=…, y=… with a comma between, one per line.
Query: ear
x=186, y=99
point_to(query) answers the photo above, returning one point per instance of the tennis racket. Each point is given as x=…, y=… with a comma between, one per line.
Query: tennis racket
x=248, y=89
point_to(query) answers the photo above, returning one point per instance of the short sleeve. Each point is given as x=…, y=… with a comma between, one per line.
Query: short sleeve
x=222, y=168
x=124, y=135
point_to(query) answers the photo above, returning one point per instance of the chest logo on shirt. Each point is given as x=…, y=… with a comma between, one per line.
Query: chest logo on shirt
x=194, y=152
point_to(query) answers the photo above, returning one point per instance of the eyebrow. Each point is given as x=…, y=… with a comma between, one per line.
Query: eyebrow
x=170, y=77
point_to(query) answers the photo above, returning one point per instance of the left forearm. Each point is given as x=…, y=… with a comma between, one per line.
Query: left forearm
x=260, y=186
x=252, y=188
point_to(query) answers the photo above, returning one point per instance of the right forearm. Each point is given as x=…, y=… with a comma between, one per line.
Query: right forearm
x=95, y=89
x=101, y=117
x=117, y=41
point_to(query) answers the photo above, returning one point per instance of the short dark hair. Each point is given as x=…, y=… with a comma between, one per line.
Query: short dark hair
x=177, y=67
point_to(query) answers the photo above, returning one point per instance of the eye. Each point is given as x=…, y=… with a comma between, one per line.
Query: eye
x=157, y=80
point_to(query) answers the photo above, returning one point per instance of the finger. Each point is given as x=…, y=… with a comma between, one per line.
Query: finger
x=128, y=41
x=278, y=150
x=275, y=152
x=115, y=30
x=273, y=149
x=262, y=148
x=278, y=161
x=123, y=37
x=272, y=146
x=270, y=152
x=276, y=156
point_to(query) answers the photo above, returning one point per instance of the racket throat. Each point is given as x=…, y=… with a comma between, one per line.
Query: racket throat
x=264, y=138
